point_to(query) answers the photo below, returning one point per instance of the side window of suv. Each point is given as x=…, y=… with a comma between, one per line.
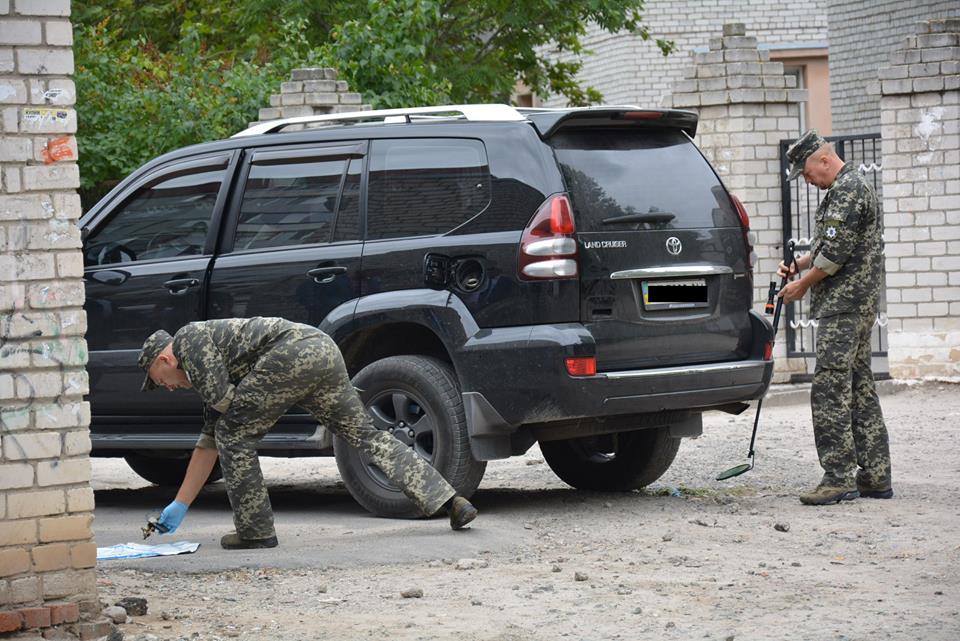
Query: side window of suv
x=166, y=218
x=425, y=186
x=348, y=217
x=290, y=202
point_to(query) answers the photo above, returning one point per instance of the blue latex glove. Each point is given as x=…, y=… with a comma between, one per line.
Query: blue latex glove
x=171, y=517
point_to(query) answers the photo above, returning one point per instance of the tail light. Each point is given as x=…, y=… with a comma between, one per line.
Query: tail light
x=745, y=227
x=768, y=351
x=582, y=366
x=548, y=248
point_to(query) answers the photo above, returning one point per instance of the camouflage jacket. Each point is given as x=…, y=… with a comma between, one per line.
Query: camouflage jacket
x=848, y=245
x=217, y=354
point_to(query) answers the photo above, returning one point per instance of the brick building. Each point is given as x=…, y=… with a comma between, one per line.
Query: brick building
x=47, y=552
x=628, y=70
x=862, y=35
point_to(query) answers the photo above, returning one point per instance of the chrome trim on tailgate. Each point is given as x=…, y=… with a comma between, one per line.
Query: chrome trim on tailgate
x=672, y=271
x=683, y=371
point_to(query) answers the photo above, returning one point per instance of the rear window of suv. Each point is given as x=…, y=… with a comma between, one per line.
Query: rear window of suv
x=612, y=173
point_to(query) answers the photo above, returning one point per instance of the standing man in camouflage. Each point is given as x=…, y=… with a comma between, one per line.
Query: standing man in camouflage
x=844, y=274
x=249, y=372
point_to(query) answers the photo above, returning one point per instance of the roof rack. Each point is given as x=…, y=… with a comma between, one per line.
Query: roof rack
x=499, y=113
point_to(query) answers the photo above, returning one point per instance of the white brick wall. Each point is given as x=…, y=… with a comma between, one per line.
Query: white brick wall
x=45, y=493
x=862, y=35
x=628, y=70
x=921, y=158
x=312, y=91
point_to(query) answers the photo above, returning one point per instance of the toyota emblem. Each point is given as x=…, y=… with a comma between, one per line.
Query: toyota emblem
x=674, y=247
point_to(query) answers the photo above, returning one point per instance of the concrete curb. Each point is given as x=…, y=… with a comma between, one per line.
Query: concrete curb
x=799, y=393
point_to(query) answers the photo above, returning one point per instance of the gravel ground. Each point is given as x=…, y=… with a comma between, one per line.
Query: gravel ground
x=690, y=557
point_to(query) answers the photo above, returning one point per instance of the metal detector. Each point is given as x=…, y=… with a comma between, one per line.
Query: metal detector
x=788, y=260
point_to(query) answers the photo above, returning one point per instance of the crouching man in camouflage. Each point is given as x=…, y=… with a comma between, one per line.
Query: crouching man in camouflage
x=845, y=274
x=249, y=372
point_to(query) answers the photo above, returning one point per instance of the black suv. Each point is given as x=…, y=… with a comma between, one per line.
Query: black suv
x=494, y=277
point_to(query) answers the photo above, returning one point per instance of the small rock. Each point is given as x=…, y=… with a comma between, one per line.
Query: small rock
x=165, y=615
x=795, y=564
x=556, y=568
x=782, y=527
x=476, y=602
x=412, y=593
x=667, y=537
x=580, y=576
x=638, y=610
x=671, y=624
x=730, y=638
x=322, y=588
x=134, y=605
x=528, y=526
x=607, y=504
x=115, y=613
x=624, y=590
x=471, y=564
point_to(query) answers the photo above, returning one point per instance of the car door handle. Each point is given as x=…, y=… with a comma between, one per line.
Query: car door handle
x=179, y=286
x=322, y=275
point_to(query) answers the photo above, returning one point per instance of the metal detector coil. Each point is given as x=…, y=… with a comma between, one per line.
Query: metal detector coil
x=789, y=260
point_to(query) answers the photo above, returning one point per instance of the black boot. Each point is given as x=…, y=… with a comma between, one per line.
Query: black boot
x=233, y=541
x=461, y=512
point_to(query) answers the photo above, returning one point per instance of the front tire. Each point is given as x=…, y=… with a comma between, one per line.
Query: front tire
x=612, y=462
x=417, y=399
x=166, y=469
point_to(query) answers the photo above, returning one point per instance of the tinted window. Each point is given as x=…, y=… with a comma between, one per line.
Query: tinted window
x=348, y=218
x=289, y=204
x=612, y=173
x=164, y=220
x=425, y=186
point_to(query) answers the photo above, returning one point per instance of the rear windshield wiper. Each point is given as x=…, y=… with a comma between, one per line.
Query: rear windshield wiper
x=659, y=217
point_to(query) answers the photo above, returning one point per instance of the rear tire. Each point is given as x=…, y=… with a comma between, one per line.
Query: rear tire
x=166, y=468
x=612, y=462
x=404, y=395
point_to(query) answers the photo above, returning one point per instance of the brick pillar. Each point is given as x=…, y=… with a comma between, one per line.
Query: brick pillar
x=47, y=553
x=746, y=106
x=920, y=126
x=312, y=91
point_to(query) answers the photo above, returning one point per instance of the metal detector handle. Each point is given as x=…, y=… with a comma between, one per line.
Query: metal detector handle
x=788, y=259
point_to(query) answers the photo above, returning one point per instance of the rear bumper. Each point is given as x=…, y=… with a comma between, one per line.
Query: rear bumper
x=521, y=381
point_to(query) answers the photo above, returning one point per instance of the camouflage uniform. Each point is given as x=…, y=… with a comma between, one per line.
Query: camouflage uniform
x=248, y=373
x=847, y=421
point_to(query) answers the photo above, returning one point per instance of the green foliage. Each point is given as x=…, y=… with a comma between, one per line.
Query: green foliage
x=137, y=101
x=387, y=54
x=156, y=75
x=406, y=52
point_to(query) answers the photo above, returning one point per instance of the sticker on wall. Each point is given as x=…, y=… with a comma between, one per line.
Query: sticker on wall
x=57, y=149
x=45, y=115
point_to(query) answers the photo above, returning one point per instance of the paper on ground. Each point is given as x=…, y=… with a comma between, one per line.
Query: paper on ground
x=140, y=550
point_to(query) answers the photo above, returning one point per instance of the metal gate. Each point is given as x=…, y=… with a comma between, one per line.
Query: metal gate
x=799, y=208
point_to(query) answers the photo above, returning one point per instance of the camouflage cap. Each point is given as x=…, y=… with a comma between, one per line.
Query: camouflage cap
x=799, y=151
x=151, y=349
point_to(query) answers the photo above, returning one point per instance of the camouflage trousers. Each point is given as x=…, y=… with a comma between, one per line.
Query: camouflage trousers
x=309, y=373
x=848, y=423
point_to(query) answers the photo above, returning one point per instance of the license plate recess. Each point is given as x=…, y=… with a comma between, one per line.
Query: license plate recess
x=681, y=293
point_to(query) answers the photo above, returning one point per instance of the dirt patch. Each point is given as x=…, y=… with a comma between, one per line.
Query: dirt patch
x=689, y=558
